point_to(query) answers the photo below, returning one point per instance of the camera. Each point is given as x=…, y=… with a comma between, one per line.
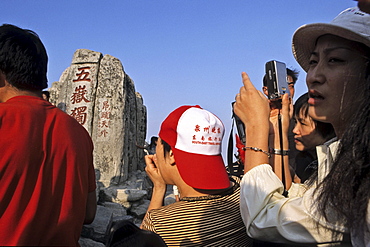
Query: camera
x=276, y=79
x=277, y=86
x=240, y=127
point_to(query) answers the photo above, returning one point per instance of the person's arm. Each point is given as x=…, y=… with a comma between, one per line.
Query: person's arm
x=266, y=213
x=252, y=107
x=275, y=141
x=90, y=208
x=159, y=185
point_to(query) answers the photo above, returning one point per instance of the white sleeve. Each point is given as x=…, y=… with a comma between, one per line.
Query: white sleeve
x=269, y=216
x=297, y=189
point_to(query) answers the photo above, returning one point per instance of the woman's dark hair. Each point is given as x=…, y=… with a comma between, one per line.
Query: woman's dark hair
x=301, y=106
x=346, y=188
x=23, y=58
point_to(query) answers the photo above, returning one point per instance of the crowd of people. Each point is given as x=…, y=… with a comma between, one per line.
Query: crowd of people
x=47, y=179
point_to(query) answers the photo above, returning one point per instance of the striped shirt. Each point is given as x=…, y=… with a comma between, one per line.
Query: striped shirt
x=201, y=221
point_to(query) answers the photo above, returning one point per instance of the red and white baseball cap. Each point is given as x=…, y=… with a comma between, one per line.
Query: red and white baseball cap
x=195, y=136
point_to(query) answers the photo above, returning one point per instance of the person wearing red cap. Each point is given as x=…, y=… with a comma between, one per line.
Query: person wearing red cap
x=188, y=155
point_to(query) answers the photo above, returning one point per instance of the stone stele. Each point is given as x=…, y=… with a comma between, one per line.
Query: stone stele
x=97, y=92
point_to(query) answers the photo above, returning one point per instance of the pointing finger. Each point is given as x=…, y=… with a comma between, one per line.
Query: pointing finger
x=247, y=82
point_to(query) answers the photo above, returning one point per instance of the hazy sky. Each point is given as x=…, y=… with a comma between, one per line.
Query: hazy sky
x=176, y=51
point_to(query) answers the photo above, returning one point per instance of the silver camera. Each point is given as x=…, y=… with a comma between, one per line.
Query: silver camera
x=276, y=78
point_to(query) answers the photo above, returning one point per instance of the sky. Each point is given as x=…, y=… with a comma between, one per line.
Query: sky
x=177, y=52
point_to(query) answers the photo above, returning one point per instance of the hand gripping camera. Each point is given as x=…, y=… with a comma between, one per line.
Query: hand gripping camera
x=277, y=86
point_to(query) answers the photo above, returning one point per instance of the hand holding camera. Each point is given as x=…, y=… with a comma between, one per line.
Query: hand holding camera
x=252, y=108
x=276, y=84
x=251, y=105
x=276, y=80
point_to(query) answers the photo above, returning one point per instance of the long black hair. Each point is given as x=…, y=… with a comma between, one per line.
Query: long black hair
x=346, y=189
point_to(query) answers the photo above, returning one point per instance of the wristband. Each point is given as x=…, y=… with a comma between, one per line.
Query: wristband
x=279, y=151
x=257, y=150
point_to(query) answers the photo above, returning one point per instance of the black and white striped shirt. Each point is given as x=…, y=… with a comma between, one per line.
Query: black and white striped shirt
x=201, y=221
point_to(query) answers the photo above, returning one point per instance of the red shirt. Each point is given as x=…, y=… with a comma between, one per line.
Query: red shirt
x=46, y=173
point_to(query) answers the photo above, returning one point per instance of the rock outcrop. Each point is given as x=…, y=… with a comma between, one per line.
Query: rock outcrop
x=97, y=92
x=128, y=201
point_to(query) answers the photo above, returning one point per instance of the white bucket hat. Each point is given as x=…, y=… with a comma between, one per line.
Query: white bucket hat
x=351, y=24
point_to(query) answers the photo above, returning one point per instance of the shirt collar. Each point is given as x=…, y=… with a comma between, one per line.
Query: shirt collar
x=326, y=154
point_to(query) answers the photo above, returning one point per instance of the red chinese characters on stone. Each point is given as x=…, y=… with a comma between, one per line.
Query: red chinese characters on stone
x=83, y=75
x=105, y=114
x=104, y=133
x=79, y=95
x=105, y=106
x=104, y=121
x=79, y=114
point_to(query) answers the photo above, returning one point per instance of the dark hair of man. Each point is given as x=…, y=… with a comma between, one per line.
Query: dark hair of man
x=292, y=72
x=23, y=58
x=301, y=106
x=166, y=148
x=346, y=188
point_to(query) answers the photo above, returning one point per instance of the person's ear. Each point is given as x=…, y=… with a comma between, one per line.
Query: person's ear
x=265, y=91
x=171, y=157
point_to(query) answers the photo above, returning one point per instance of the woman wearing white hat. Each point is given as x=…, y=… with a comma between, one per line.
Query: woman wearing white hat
x=336, y=57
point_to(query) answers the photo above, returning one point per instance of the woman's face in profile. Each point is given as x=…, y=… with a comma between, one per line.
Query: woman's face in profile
x=305, y=135
x=334, y=78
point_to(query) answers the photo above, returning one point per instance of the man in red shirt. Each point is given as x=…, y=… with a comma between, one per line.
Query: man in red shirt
x=47, y=179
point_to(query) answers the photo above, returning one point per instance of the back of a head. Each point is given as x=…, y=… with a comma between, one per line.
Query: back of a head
x=23, y=58
x=153, y=140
